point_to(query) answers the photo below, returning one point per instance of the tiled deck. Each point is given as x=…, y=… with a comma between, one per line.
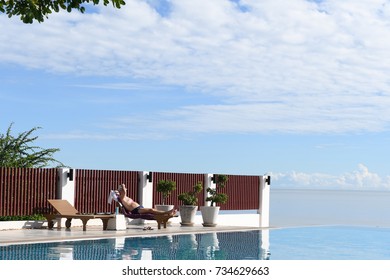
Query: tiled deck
x=44, y=235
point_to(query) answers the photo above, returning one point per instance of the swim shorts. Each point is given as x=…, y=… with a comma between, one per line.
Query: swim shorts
x=136, y=210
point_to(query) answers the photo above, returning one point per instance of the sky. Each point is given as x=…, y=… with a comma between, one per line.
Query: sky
x=296, y=89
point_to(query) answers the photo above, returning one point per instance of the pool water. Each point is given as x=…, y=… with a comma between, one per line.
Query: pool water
x=209, y=246
x=331, y=243
x=304, y=243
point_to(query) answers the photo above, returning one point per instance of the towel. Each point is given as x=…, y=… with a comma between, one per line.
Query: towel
x=112, y=196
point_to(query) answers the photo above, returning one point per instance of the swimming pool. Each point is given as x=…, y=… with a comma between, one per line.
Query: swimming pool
x=305, y=243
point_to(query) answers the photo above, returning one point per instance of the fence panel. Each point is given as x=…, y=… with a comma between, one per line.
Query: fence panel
x=184, y=183
x=243, y=192
x=24, y=191
x=92, y=188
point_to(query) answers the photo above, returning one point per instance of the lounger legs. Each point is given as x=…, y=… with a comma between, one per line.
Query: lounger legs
x=50, y=222
x=162, y=219
x=68, y=223
x=105, y=223
x=84, y=223
x=51, y=217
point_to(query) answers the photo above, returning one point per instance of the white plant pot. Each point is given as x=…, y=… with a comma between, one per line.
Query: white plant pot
x=209, y=215
x=187, y=214
x=164, y=207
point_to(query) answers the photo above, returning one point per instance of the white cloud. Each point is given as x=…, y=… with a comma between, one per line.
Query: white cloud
x=81, y=135
x=290, y=66
x=360, y=179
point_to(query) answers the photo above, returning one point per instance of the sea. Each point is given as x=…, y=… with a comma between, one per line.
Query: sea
x=311, y=207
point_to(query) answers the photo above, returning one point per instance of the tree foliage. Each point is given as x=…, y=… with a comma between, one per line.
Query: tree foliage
x=166, y=187
x=191, y=197
x=30, y=10
x=215, y=196
x=20, y=152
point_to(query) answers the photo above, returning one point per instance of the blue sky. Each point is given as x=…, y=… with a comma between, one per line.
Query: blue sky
x=296, y=89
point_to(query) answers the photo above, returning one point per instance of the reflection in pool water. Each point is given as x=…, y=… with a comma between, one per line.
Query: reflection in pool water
x=207, y=246
x=304, y=243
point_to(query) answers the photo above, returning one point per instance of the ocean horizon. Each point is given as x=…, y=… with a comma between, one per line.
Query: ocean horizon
x=309, y=207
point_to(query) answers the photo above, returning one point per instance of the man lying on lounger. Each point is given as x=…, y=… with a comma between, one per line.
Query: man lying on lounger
x=135, y=208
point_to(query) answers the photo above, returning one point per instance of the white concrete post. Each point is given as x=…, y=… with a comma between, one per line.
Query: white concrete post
x=66, y=187
x=145, y=189
x=209, y=184
x=264, y=201
x=66, y=184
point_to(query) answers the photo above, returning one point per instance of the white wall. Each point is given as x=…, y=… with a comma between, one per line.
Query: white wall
x=67, y=190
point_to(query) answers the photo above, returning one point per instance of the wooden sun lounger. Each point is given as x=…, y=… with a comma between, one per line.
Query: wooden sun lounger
x=65, y=210
x=161, y=219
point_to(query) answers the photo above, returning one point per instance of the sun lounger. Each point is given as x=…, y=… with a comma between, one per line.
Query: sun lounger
x=161, y=219
x=65, y=210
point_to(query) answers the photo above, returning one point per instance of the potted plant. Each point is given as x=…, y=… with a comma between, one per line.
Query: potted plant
x=189, y=207
x=210, y=213
x=165, y=187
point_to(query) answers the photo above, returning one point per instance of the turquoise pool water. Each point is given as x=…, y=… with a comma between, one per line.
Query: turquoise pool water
x=304, y=243
x=330, y=243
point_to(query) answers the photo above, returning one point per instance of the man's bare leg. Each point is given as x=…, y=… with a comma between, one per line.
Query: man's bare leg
x=155, y=211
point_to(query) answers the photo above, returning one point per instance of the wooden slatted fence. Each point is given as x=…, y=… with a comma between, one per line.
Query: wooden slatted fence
x=92, y=188
x=24, y=191
x=184, y=183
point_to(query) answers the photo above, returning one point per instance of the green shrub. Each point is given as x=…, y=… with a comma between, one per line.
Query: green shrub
x=214, y=194
x=166, y=187
x=190, y=198
x=35, y=217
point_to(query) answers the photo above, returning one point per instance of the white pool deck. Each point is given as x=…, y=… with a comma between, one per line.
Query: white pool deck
x=24, y=236
x=29, y=232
